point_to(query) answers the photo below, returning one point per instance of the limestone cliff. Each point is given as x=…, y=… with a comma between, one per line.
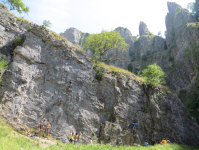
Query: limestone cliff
x=35, y=87
x=75, y=36
x=120, y=59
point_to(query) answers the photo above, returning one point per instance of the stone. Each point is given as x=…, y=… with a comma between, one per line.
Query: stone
x=143, y=30
x=35, y=87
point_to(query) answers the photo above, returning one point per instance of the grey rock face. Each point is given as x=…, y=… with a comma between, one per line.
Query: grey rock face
x=126, y=34
x=10, y=28
x=35, y=87
x=178, y=40
x=121, y=58
x=197, y=9
x=172, y=7
x=75, y=36
x=143, y=30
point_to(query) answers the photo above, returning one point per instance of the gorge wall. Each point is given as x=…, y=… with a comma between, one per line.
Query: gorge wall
x=177, y=55
x=35, y=87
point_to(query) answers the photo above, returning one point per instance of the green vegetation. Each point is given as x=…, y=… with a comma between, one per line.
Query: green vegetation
x=178, y=9
x=193, y=25
x=110, y=147
x=18, y=41
x=104, y=68
x=4, y=6
x=136, y=38
x=191, y=7
x=17, y=5
x=153, y=75
x=99, y=44
x=11, y=140
x=47, y=23
x=3, y=66
x=20, y=19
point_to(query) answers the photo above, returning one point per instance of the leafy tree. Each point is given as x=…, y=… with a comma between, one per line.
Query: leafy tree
x=191, y=7
x=3, y=67
x=99, y=44
x=47, y=23
x=135, y=38
x=153, y=75
x=17, y=5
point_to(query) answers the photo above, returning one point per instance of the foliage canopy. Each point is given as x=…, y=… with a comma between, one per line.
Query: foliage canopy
x=98, y=44
x=153, y=75
x=47, y=23
x=191, y=8
x=17, y=5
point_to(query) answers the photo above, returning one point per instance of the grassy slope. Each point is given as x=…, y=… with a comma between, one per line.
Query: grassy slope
x=11, y=140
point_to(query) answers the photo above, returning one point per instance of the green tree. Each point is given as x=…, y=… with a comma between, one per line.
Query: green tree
x=47, y=23
x=3, y=67
x=153, y=75
x=191, y=8
x=17, y=5
x=99, y=44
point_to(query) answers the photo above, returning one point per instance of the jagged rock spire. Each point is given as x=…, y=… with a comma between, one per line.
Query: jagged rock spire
x=143, y=30
x=172, y=7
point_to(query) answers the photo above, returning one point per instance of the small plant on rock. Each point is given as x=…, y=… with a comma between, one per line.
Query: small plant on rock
x=47, y=23
x=18, y=41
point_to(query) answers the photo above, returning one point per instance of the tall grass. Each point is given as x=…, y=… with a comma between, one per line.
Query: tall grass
x=10, y=140
x=109, y=147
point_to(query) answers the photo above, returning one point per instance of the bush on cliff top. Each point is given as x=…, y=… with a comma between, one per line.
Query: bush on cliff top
x=99, y=44
x=153, y=75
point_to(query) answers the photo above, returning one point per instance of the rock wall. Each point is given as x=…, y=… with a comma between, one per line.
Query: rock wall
x=75, y=36
x=35, y=87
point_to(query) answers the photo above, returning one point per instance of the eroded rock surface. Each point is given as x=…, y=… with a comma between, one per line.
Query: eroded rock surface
x=35, y=87
x=75, y=36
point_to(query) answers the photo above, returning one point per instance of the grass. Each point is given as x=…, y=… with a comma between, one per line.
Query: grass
x=193, y=25
x=119, y=71
x=22, y=20
x=110, y=147
x=4, y=6
x=11, y=140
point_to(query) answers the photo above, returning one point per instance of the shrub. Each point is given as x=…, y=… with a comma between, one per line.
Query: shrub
x=153, y=75
x=47, y=23
x=100, y=72
x=18, y=41
x=130, y=67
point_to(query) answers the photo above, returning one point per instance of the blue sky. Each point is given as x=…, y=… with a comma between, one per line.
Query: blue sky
x=94, y=15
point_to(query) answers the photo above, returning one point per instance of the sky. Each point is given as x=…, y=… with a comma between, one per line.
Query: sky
x=93, y=16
